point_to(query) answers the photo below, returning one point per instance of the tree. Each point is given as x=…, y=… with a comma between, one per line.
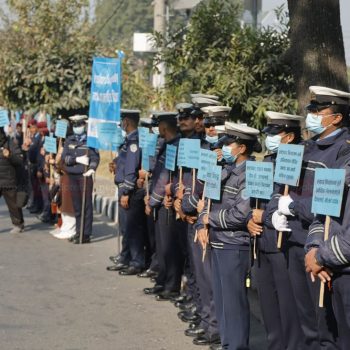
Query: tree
x=317, y=51
x=46, y=55
x=243, y=66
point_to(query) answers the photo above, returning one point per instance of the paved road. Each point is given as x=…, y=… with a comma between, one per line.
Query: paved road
x=56, y=295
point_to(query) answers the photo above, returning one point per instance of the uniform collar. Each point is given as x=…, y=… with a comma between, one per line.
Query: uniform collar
x=133, y=135
x=80, y=138
x=332, y=138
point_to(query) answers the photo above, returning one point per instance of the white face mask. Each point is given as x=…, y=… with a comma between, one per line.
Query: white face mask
x=123, y=133
x=79, y=130
x=155, y=130
x=272, y=142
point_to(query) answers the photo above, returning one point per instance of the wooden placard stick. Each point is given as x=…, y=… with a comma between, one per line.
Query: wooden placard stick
x=168, y=209
x=193, y=180
x=180, y=188
x=206, y=231
x=279, y=241
x=196, y=234
x=326, y=236
x=254, y=242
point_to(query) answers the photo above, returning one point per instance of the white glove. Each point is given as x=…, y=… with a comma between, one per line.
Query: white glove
x=89, y=172
x=83, y=160
x=283, y=205
x=280, y=222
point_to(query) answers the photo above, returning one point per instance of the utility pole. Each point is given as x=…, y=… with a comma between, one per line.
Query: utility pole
x=159, y=25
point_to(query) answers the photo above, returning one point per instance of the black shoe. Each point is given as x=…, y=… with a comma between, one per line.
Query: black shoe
x=147, y=274
x=130, y=271
x=189, y=318
x=153, y=280
x=194, y=324
x=186, y=306
x=206, y=340
x=117, y=267
x=194, y=332
x=154, y=290
x=115, y=258
x=216, y=347
x=188, y=313
x=166, y=295
x=84, y=241
x=184, y=298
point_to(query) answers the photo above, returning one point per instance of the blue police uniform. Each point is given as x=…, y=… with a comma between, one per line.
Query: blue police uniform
x=75, y=146
x=128, y=165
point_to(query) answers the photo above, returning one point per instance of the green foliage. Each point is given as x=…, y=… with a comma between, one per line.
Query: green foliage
x=46, y=55
x=243, y=66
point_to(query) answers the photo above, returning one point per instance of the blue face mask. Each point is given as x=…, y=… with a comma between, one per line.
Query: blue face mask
x=314, y=123
x=123, y=133
x=272, y=142
x=79, y=130
x=212, y=139
x=226, y=153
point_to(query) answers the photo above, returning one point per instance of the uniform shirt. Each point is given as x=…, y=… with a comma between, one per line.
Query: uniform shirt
x=324, y=153
x=34, y=148
x=75, y=146
x=161, y=175
x=227, y=217
x=128, y=164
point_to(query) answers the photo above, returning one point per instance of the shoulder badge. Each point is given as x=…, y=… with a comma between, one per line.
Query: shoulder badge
x=133, y=148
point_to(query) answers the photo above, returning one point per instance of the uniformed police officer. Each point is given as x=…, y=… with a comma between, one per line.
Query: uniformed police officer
x=326, y=121
x=128, y=164
x=276, y=297
x=80, y=163
x=230, y=240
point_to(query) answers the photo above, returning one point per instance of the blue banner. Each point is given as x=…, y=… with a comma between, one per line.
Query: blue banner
x=212, y=188
x=189, y=153
x=208, y=159
x=288, y=164
x=328, y=191
x=4, y=117
x=61, y=128
x=105, y=95
x=50, y=144
x=152, y=144
x=145, y=159
x=170, y=157
x=143, y=132
x=109, y=136
x=259, y=179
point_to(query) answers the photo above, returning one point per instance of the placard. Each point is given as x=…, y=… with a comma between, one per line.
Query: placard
x=170, y=157
x=207, y=160
x=109, y=136
x=189, y=153
x=4, y=117
x=50, y=144
x=212, y=187
x=151, y=140
x=288, y=164
x=61, y=128
x=143, y=132
x=259, y=179
x=328, y=191
x=181, y=158
x=145, y=159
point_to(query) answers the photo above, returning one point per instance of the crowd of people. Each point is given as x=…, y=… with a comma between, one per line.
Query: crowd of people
x=201, y=254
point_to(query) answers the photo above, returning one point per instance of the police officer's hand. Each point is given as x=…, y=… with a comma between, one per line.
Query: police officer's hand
x=140, y=183
x=148, y=210
x=142, y=174
x=112, y=167
x=146, y=200
x=124, y=202
x=218, y=152
x=191, y=219
x=168, y=202
x=168, y=189
x=203, y=238
x=257, y=215
x=5, y=152
x=42, y=151
x=205, y=219
x=177, y=204
x=311, y=263
x=180, y=193
x=253, y=228
x=200, y=206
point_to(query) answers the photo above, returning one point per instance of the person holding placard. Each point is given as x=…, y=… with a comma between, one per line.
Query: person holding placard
x=276, y=297
x=128, y=164
x=168, y=240
x=80, y=163
x=207, y=328
x=327, y=119
x=230, y=239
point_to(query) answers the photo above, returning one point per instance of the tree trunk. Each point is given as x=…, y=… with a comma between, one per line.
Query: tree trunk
x=317, y=51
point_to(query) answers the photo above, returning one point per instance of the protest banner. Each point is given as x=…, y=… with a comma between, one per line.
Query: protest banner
x=151, y=141
x=327, y=199
x=170, y=157
x=61, y=128
x=105, y=95
x=109, y=136
x=143, y=132
x=50, y=144
x=207, y=160
x=4, y=118
x=288, y=166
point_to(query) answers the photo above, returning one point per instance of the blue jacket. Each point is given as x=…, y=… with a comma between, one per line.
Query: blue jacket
x=75, y=146
x=34, y=148
x=128, y=164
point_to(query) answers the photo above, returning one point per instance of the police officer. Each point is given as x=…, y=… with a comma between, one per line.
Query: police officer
x=207, y=330
x=131, y=205
x=229, y=238
x=168, y=238
x=80, y=163
x=276, y=297
x=326, y=121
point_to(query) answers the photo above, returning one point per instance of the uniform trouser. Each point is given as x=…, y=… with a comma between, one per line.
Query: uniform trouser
x=192, y=289
x=133, y=222
x=203, y=273
x=230, y=268
x=169, y=250
x=277, y=303
x=318, y=324
x=76, y=185
x=341, y=306
x=36, y=191
x=151, y=255
x=16, y=214
x=44, y=187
